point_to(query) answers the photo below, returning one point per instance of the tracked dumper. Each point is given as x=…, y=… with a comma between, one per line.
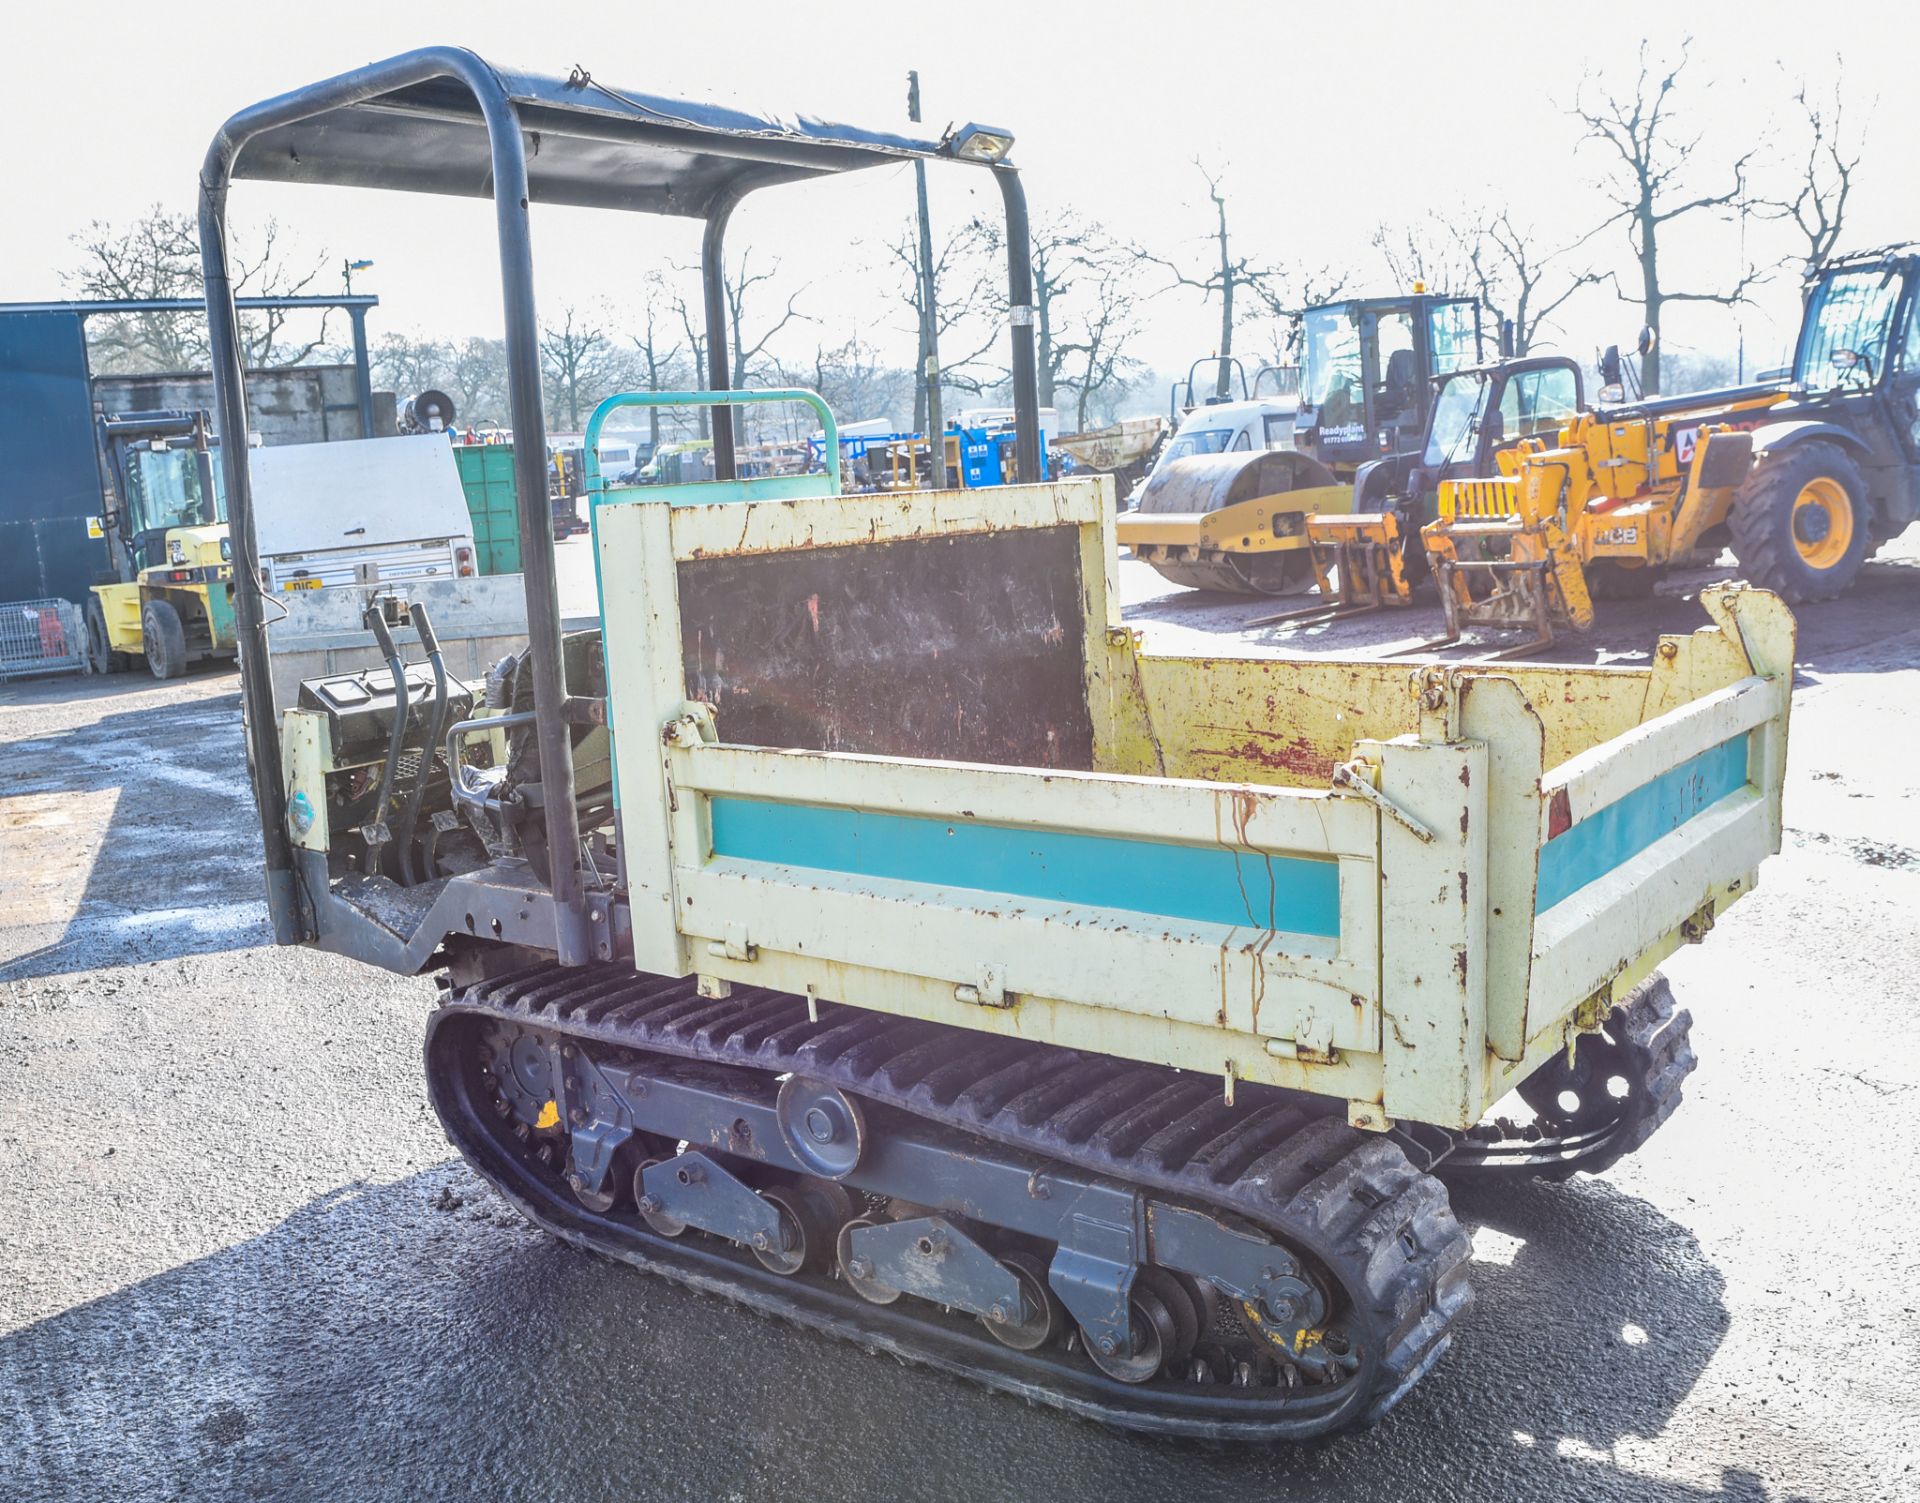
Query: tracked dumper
x=864, y=925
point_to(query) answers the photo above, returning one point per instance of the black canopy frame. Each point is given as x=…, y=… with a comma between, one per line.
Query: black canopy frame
x=443, y=120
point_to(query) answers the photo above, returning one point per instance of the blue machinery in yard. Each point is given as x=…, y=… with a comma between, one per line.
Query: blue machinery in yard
x=863, y=923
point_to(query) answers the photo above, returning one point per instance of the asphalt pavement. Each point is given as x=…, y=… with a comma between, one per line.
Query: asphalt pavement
x=239, y=1260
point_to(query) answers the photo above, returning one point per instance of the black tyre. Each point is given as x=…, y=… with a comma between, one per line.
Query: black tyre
x=1285, y=573
x=1800, y=522
x=101, y=657
x=164, y=638
x=1609, y=580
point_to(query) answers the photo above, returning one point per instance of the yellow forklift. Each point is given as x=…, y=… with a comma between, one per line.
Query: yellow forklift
x=168, y=592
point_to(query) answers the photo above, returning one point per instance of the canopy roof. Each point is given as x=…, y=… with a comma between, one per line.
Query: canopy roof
x=588, y=145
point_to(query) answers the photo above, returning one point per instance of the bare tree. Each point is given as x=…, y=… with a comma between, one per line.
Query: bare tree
x=1435, y=252
x=1491, y=257
x=693, y=325
x=1513, y=277
x=655, y=350
x=1066, y=247
x=1284, y=296
x=1818, y=207
x=1640, y=128
x=854, y=380
x=739, y=286
x=581, y=364
x=1096, y=360
x=963, y=298
x=744, y=350
x=158, y=256
x=1226, y=276
x=477, y=380
x=406, y=364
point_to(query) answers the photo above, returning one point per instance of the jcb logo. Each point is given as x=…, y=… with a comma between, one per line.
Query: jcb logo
x=1617, y=537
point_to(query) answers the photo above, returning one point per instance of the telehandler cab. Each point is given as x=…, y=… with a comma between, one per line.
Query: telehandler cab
x=862, y=923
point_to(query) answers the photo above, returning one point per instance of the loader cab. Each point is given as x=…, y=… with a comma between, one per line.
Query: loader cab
x=1476, y=413
x=1858, y=360
x=1366, y=371
x=1480, y=411
x=165, y=595
x=1855, y=383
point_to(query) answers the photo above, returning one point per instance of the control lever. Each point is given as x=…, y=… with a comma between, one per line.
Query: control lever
x=375, y=832
x=411, y=814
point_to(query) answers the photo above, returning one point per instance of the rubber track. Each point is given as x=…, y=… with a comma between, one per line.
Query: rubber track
x=1657, y=1035
x=1353, y=1200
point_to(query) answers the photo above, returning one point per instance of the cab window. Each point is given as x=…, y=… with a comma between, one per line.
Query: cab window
x=1910, y=346
x=1331, y=365
x=1244, y=441
x=1198, y=441
x=1399, y=369
x=1536, y=403
x=1279, y=430
x=1453, y=334
x=1849, y=312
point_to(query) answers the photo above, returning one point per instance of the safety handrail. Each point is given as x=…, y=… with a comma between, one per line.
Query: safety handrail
x=591, y=441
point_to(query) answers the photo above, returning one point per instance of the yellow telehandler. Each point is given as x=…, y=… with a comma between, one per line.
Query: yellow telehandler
x=1802, y=477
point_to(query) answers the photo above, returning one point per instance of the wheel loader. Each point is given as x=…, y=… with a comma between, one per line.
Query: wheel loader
x=1802, y=478
x=863, y=924
x=1221, y=514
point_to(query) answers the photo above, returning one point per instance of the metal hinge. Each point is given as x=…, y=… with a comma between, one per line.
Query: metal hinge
x=1696, y=925
x=1308, y=1053
x=989, y=991
x=736, y=945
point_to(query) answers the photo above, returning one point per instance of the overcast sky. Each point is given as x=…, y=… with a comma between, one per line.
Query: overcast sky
x=1324, y=120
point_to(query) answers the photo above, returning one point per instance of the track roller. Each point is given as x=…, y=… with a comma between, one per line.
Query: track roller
x=656, y=1219
x=1041, y=1317
x=804, y=1233
x=857, y=1271
x=1155, y=1334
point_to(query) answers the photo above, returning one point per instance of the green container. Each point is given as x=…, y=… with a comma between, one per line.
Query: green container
x=486, y=475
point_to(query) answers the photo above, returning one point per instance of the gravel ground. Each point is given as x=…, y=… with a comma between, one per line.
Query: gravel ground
x=240, y=1261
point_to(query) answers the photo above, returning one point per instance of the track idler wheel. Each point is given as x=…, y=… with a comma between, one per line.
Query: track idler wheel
x=621, y=1187
x=607, y=1197
x=1182, y=1305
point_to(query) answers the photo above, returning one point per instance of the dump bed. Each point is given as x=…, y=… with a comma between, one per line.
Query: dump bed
x=900, y=751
